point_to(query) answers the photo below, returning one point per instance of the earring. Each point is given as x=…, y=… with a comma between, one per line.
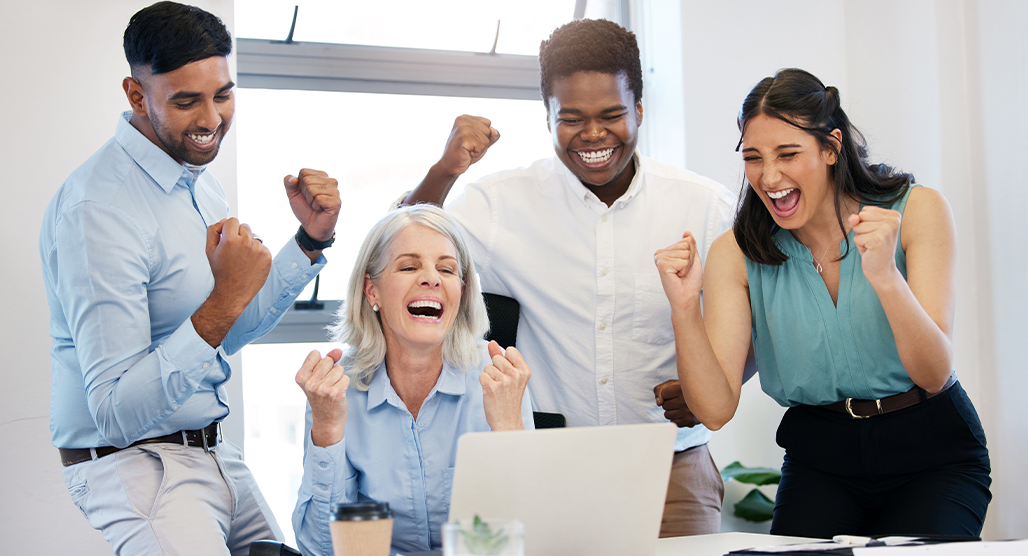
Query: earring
x=374, y=307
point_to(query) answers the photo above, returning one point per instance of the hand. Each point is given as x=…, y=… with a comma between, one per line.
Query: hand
x=469, y=139
x=680, y=271
x=503, y=388
x=669, y=396
x=314, y=198
x=325, y=383
x=239, y=262
x=875, y=232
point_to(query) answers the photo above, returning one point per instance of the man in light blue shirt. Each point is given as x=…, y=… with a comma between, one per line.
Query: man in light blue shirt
x=150, y=286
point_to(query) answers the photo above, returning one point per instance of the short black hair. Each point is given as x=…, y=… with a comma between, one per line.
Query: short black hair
x=169, y=35
x=590, y=45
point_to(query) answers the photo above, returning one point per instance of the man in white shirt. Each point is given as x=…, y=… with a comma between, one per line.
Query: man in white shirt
x=572, y=238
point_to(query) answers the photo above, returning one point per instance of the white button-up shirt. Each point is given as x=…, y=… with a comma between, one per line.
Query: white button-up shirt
x=595, y=324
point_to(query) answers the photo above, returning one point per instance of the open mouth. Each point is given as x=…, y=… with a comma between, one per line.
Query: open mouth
x=203, y=140
x=425, y=310
x=596, y=157
x=785, y=201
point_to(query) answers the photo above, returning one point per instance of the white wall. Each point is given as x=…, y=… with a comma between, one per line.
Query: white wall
x=62, y=64
x=939, y=89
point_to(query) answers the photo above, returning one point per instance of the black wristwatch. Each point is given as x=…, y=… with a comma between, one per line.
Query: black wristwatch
x=311, y=244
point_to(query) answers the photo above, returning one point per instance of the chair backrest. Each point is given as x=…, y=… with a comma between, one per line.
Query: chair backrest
x=504, y=315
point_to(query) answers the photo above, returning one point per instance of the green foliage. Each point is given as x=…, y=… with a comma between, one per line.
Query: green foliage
x=751, y=475
x=755, y=506
x=482, y=540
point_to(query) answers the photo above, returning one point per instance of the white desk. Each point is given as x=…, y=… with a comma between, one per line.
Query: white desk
x=719, y=544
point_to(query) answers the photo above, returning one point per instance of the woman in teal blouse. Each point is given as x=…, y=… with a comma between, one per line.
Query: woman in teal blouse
x=840, y=275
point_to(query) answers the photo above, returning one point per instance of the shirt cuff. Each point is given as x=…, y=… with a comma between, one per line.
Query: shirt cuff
x=185, y=350
x=327, y=475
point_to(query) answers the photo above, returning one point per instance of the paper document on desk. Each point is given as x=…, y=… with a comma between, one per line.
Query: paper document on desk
x=989, y=548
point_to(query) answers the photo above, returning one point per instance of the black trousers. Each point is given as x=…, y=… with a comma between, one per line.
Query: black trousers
x=923, y=470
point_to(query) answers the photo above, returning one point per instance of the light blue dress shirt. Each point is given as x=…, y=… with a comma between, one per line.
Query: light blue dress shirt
x=812, y=351
x=124, y=264
x=387, y=456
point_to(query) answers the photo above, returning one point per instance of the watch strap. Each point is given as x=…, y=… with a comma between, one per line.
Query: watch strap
x=311, y=244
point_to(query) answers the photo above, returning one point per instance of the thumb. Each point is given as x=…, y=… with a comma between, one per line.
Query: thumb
x=214, y=235
x=291, y=182
x=494, y=349
x=335, y=354
x=494, y=135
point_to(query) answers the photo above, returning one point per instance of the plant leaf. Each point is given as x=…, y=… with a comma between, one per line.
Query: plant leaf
x=755, y=507
x=751, y=475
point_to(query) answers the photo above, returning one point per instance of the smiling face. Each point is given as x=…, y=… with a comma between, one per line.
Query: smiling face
x=186, y=112
x=419, y=290
x=594, y=120
x=789, y=172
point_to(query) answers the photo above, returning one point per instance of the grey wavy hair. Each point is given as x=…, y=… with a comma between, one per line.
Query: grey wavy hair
x=359, y=327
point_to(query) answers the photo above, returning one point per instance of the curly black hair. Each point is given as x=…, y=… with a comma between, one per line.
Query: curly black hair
x=590, y=45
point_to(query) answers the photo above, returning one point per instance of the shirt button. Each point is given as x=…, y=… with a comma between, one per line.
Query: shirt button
x=274, y=311
x=303, y=276
x=323, y=487
x=293, y=266
x=421, y=424
x=206, y=365
x=323, y=464
x=603, y=380
x=603, y=272
x=604, y=218
x=174, y=407
x=603, y=326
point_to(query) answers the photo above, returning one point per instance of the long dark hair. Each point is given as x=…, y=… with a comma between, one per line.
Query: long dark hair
x=801, y=100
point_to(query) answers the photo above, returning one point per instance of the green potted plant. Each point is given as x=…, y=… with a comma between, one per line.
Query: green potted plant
x=755, y=506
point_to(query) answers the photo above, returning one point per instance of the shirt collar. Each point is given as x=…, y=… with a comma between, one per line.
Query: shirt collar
x=587, y=196
x=155, y=162
x=380, y=390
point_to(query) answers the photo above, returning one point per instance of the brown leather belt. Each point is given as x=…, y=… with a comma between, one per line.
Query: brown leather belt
x=206, y=438
x=862, y=409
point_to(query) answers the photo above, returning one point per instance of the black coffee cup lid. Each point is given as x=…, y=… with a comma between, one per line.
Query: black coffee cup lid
x=360, y=511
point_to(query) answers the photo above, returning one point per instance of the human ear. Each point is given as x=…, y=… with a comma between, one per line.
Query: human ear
x=370, y=290
x=835, y=136
x=135, y=95
x=639, y=112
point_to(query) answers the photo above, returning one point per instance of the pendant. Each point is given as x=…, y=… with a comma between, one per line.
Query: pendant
x=819, y=269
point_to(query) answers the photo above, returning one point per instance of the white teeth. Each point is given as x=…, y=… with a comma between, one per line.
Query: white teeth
x=425, y=303
x=595, y=156
x=202, y=139
x=779, y=194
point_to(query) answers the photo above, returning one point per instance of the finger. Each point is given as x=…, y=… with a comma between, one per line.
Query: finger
x=230, y=229
x=214, y=235
x=310, y=172
x=492, y=373
x=494, y=349
x=514, y=356
x=291, y=182
x=335, y=354
x=494, y=136
x=320, y=372
x=308, y=365
x=673, y=403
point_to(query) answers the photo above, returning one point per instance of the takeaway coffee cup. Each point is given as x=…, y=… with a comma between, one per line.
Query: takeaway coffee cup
x=361, y=529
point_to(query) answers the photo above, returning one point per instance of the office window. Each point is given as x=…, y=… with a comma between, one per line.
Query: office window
x=374, y=111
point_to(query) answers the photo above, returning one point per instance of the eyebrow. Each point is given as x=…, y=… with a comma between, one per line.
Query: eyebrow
x=778, y=148
x=416, y=256
x=577, y=112
x=192, y=94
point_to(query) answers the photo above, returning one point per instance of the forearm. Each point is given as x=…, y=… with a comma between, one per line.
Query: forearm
x=705, y=386
x=924, y=349
x=433, y=188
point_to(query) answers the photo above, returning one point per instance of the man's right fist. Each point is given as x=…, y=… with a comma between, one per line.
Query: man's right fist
x=469, y=139
x=239, y=260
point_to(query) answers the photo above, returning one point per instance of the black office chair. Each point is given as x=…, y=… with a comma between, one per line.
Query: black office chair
x=504, y=315
x=272, y=548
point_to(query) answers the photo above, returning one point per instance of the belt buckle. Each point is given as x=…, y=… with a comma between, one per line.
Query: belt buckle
x=849, y=409
x=217, y=438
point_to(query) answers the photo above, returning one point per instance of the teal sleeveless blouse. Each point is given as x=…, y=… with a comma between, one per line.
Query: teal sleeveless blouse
x=811, y=351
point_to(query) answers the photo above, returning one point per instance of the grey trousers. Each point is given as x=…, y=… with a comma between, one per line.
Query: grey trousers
x=694, y=495
x=169, y=499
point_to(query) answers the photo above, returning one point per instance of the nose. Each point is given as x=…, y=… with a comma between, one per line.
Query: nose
x=430, y=277
x=594, y=131
x=770, y=174
x=208, y=117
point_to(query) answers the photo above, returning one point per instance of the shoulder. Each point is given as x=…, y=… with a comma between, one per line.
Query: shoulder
x=677, y=179
x=539, y=177
x=725, y=259
x=927, y=213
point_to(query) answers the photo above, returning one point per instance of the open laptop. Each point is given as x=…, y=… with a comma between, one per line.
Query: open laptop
x=593, y=491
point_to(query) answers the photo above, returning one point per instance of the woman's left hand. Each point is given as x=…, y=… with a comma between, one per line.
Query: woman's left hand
x=875, y=233
x=503, y=388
